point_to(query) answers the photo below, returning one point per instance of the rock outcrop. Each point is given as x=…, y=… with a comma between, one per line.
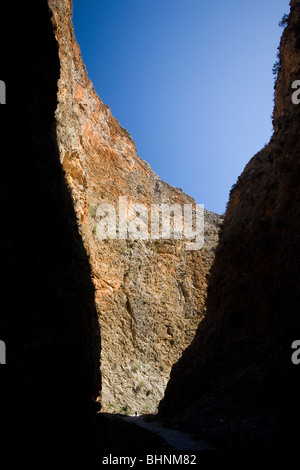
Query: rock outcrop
x=236, y=384
x=150, y=294
x=48, y=316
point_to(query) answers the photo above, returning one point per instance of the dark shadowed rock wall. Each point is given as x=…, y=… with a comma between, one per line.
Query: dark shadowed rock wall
x=236, y=384
x=48, y=318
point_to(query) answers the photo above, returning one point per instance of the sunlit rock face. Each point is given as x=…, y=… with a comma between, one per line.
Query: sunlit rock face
x=236, y=383
x=150, y=294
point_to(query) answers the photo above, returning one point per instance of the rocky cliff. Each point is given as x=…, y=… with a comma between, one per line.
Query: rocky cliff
x=150, y=294
x=236, y=384
x=48, y=316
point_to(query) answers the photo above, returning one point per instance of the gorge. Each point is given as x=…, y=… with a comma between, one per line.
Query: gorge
x=138, y=326
x=146, y=319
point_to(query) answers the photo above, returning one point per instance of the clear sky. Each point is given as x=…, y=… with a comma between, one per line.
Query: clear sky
x=191, y=81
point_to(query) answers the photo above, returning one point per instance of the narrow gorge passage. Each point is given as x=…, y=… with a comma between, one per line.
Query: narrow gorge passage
x=150, y=293
x=175, y=439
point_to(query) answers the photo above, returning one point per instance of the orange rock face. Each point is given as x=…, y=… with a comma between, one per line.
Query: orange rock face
x=150, y=294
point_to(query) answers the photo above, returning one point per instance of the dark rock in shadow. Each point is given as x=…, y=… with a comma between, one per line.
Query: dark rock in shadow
x=48, y=318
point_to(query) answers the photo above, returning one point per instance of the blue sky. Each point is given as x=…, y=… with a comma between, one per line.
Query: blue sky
x=191, y=81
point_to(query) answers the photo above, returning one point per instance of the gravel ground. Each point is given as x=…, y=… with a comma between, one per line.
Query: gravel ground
x=175, y=439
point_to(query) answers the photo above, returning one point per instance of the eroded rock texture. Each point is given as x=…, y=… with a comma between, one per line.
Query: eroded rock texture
x=236, y=384
x=150, y=294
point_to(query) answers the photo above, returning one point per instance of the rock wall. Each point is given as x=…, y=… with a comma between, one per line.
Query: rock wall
x=150, y=294
x=48, y=316
x=236, y=384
